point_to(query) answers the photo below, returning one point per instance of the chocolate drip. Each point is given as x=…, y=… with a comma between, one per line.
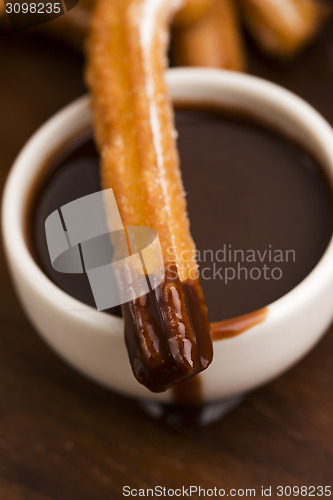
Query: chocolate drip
x=167, y=333
x=233, y=327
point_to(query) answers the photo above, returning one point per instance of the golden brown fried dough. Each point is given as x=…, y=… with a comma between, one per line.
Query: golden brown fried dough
x=192, y=11
x=283, y=28
x=167, y=332
x=214, y=41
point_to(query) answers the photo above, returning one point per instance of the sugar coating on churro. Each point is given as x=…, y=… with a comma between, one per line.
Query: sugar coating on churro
x=167, y=332
x=151, y=10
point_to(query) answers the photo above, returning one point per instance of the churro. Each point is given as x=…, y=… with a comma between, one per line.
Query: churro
x=191, y=12
x=167, y=332
x=283, y=28
x=214, y=41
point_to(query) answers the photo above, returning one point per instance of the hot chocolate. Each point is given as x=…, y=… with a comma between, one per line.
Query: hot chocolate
x=259, y=206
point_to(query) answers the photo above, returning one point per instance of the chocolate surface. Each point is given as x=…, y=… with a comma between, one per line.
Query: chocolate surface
x=255, y=199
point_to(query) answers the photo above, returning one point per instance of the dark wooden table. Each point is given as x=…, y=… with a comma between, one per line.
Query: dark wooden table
x=63, y=437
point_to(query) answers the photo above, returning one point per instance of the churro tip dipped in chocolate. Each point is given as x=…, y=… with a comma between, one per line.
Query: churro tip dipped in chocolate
x=167, y=331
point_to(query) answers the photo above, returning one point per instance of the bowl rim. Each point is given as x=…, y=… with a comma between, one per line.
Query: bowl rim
x=13, y=218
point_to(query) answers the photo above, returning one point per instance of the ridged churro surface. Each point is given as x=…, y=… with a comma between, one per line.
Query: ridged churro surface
x=167, y=332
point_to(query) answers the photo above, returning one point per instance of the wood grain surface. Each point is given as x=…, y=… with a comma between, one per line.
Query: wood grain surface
x=63, y=437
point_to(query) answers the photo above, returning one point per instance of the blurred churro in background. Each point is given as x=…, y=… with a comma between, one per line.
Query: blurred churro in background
x=209, y=32
x=214, y=40
x=4, y=21
x=192, y=11
x=282, y=28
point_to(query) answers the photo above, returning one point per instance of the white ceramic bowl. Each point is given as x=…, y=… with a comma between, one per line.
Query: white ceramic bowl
x=92, y=341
